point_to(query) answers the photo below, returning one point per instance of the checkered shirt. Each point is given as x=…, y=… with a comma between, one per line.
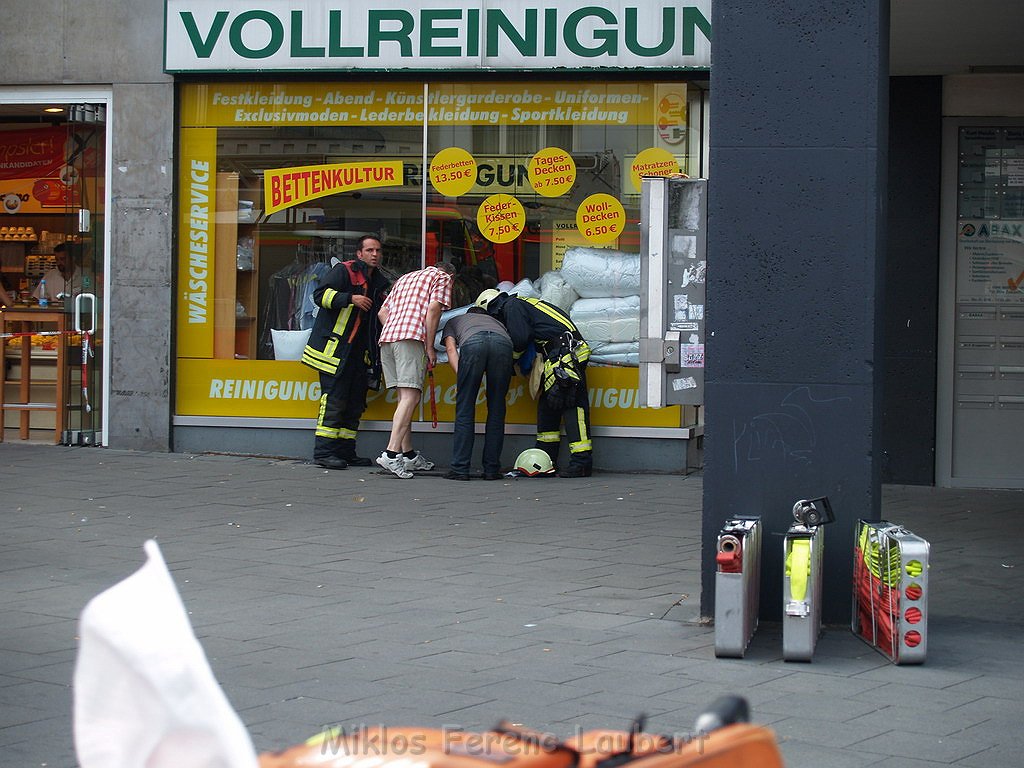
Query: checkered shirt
x=408, y=301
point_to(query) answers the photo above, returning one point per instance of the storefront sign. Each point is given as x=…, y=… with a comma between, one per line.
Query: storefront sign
x=278, y=35
x=31, y=154
x=285, y=187
x=291, y=390
x=508, y=103
x=197, y=225
x=990, y=261
x=33, y=175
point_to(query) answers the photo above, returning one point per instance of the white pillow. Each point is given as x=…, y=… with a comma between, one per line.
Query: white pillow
x=288, y=345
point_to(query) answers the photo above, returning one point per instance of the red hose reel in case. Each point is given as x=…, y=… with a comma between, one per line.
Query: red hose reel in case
x=890, y=591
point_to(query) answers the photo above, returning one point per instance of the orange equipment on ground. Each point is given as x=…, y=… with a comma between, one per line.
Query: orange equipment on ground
x=733, y=745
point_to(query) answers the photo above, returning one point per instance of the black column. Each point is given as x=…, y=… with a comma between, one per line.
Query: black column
x=912, y=280
x=795, y=262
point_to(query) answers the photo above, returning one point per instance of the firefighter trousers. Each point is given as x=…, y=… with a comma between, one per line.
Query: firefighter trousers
x=342, y=402
x=577, y=426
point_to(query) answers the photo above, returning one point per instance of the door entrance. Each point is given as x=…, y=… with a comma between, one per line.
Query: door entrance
x=982, y=412
x=52, y=253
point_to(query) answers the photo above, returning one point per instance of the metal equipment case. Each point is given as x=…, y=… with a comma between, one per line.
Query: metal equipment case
x=890, y=591
x=803, y=554
x=737, y=585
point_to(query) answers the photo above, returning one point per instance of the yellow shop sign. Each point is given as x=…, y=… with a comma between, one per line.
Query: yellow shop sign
x=290, y=390
x=285, y=187
x=247, y=104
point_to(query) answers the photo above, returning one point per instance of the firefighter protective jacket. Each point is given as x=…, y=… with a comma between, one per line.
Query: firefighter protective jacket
x=534, y=320
x=339, y=323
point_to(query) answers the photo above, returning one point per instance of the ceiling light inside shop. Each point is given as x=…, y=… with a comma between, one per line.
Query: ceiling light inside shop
x=54, y=109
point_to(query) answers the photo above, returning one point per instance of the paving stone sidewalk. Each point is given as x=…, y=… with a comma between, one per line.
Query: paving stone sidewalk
x=348, y=598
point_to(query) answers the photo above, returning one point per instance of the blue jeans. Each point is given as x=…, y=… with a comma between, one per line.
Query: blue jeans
x=483, y=353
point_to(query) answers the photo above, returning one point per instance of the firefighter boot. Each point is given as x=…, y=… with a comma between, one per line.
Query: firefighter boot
x=580, y=465
x=575, y=470
x=325, y=454
x=347, y=452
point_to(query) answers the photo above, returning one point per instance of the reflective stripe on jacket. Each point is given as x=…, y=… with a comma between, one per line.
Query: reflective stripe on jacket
x=339, y=323
x=535, y=320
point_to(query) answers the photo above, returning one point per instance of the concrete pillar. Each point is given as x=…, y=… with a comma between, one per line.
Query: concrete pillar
x=142, y=263
x=795, y=259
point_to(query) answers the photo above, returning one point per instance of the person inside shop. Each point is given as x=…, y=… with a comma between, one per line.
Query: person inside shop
x=66, y=279
x=478, y=346
x=563, y=355
x=343, y=348
x=410, y=316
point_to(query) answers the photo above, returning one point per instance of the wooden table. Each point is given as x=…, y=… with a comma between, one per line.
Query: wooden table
x=24, y=320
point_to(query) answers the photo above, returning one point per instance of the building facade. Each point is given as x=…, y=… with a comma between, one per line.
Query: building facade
x=453, y=135
x=209, y=153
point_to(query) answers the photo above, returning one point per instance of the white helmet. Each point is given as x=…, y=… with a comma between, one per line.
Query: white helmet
x=486, y=297
x=535, y=461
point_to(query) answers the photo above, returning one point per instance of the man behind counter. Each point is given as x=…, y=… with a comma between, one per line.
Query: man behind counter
x=66, y=279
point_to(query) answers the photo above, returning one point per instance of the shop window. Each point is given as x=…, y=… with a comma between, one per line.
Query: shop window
x=528, y=185
x=486, y=137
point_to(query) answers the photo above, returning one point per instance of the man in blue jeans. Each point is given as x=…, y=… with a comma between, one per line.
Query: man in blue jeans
x=478, y=345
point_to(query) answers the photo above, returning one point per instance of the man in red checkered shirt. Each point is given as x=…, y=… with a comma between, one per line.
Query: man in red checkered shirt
x=409, y=317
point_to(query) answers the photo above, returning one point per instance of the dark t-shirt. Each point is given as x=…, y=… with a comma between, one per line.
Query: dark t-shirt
x=463, y=326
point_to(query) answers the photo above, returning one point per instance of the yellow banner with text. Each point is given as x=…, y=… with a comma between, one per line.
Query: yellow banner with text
x=285, y=187
x=196, y=228
x=576, y=103
x=287, y=389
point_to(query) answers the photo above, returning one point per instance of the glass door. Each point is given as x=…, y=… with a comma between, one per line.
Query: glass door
x=83, y=257
x=986, y=404
x=52, y=205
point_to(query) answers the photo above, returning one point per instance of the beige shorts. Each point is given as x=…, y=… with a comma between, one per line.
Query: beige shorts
x=404, y=363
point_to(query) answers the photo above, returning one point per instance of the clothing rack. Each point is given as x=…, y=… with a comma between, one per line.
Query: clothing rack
x=289, y=305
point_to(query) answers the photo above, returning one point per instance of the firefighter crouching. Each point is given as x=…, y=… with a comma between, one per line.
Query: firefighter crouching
x=563, y=354
x=343, y=349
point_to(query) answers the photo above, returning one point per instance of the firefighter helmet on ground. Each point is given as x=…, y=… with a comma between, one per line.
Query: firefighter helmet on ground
x=534, y=461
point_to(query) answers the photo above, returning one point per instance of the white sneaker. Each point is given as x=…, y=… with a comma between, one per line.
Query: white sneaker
x=396, y=465
x=419, y=463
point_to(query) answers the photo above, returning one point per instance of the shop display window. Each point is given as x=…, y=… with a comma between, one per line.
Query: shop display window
x=525, y=186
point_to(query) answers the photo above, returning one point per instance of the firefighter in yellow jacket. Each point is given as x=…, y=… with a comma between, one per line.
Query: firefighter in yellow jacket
x=563, y=354
x=343, y=348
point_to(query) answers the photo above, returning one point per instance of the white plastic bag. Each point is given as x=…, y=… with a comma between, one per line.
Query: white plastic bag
x=598, y=272
x=525, y=289
x=608, y=319
x=145, y=696
x=554, y=289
